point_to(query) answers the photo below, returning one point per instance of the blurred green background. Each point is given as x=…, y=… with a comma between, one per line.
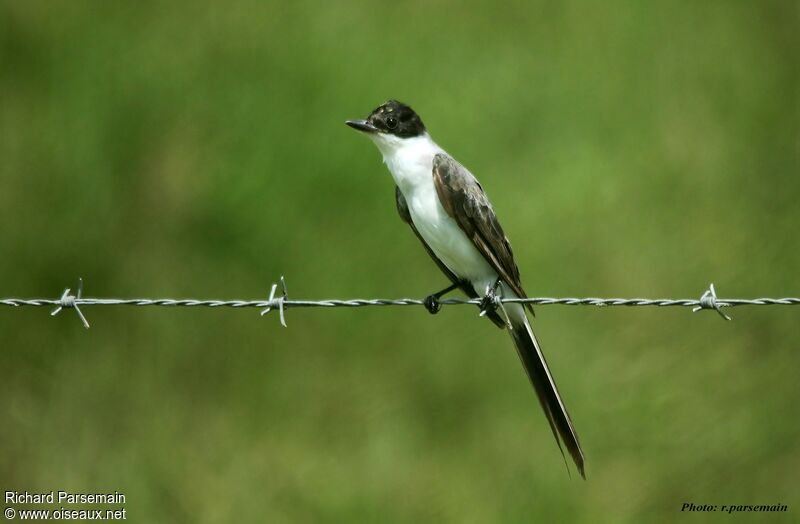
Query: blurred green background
x=198, y=149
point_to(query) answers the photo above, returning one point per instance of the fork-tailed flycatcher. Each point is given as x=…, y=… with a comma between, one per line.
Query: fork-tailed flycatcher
x=449, y=212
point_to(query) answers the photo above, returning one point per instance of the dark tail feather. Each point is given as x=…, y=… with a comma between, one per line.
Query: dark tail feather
x=536, y=367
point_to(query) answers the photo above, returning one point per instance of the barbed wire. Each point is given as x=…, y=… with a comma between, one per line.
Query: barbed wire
x=708, y=300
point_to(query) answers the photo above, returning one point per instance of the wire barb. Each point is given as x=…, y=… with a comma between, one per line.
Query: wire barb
x=278, y=302
x=709, y=301
x=69, y=301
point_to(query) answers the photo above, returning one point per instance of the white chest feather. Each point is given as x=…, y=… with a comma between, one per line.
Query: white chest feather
x=411, y=165
x=444, y=236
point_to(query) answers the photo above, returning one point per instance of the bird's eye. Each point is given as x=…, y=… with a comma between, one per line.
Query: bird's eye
x=391, y=122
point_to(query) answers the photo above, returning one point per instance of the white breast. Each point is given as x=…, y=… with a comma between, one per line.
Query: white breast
x=411, y=165
x=445, y=237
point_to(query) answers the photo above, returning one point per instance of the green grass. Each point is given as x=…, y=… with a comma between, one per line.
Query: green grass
x=198, y=149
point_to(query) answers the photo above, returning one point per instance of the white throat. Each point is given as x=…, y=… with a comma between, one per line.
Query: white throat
x=410, y=160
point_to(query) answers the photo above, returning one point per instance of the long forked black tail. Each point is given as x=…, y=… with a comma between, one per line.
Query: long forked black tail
x=539, y=374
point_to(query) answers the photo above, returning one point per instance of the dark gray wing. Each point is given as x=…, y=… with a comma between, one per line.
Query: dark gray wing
x=464, y=200
x=465, y=286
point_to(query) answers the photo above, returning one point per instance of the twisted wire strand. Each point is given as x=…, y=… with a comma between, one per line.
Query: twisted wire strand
x=367, y=302
x=282, y=302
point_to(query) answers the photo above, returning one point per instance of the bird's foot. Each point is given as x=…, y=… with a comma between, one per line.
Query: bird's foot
x=432, y=304
x=491, y=300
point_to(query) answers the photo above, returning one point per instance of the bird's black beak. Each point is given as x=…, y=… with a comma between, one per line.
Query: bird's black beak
x=362, y=125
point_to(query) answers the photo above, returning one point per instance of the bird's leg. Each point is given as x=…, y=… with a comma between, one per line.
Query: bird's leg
x=489, y=301
x=432, y=301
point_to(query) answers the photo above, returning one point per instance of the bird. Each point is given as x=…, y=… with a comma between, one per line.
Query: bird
x=450, y=213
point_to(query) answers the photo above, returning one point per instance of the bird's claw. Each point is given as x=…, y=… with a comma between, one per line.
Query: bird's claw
x=491, y=300
x=488, y=302
x=432, y=304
